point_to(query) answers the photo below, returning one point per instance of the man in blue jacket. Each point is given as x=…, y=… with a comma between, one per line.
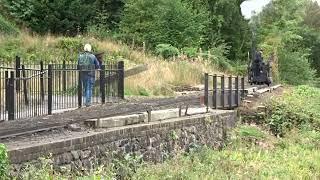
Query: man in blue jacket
x=88, y=63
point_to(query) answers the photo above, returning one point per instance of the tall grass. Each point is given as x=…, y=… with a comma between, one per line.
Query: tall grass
x=247, y=157
x=161, y=77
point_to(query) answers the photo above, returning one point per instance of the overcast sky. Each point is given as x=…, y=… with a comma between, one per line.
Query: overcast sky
x=254, y=5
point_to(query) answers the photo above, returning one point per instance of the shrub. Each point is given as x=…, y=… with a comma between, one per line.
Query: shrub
x=74, y=44
x=166, y=50
x=3, y=161
x=295, y=68
x=190, y=52
x=296, y=109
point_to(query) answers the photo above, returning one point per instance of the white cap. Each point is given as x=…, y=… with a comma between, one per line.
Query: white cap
x=87, y=47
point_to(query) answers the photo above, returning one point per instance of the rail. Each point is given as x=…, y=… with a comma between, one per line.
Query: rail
x=36, y=90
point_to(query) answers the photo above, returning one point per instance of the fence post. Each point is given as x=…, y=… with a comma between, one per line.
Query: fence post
x=121, y=79
x=242, y=87
x=50, y=89
x=41, y=81
x=25, y=91
x=18, y=65
x=237, y=91
x=215, y=92
x=79, y=87
x=230, y=92
x=6, y=82
x=206, y=89
x=11, y=97
x=222, y=91
x=64, y=76
x=103, y=84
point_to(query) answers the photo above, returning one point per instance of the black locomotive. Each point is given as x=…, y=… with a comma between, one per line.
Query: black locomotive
x=258, y=70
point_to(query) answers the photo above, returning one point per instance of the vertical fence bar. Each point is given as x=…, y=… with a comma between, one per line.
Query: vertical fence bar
x=6, y=82
x=230, y=92
x=242, y=87
x=11, y=95
x=18, y=65
x=79, y=87
x=206, y=89
x=64, y=76
x=222, y=91
x=25, y=91
x=103, y=84
x=41, y=81
x=50, y=89
x=215, y=91
x=237, y=91
x=121, y=79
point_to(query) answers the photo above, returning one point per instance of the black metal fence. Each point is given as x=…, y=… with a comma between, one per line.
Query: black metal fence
x=223, y=92
x=28, y=90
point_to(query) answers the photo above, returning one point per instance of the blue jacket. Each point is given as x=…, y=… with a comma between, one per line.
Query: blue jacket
x=88, y=62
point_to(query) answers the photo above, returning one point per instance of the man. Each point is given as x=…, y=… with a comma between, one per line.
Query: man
x=87, y=64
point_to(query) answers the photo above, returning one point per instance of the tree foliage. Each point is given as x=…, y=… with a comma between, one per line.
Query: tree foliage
x=181, y=23
x=55, y=16
x=163, y=22
x=282, y=28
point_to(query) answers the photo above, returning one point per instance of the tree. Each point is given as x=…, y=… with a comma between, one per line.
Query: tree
x=226, y=25
x=281, y=28
x=163, y=22
x=108, y=14
x=55, y=16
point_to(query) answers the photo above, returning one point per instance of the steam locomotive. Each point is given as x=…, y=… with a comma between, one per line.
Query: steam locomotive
x=258, y=70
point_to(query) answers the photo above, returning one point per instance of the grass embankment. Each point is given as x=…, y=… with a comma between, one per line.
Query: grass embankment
x=160, y=79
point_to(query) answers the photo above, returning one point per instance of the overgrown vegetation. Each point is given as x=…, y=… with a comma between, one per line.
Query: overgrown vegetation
x=3, y=161
x=288, y=29
x=181, y=23
x=6, y=27
x=298, y=108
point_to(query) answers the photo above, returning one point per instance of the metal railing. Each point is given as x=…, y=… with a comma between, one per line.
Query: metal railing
x=223, y=92
x=42, y=89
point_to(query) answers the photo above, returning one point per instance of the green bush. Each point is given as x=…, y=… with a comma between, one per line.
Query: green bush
x=67, y=43
x=166, y=50
x=10, y=48
x=295, y=68
x=6, y=27
x=190, y=52
x=296, y=109
x=3, y=161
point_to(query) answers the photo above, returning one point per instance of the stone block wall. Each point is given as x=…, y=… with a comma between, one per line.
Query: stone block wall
x=155, y=141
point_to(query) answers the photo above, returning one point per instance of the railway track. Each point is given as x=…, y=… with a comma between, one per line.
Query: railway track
x=17, y=128
x=39, y=124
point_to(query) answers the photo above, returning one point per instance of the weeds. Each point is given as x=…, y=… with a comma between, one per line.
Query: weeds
x=3, y=161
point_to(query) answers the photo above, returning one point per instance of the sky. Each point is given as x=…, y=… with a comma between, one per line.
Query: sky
x=254, y=5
